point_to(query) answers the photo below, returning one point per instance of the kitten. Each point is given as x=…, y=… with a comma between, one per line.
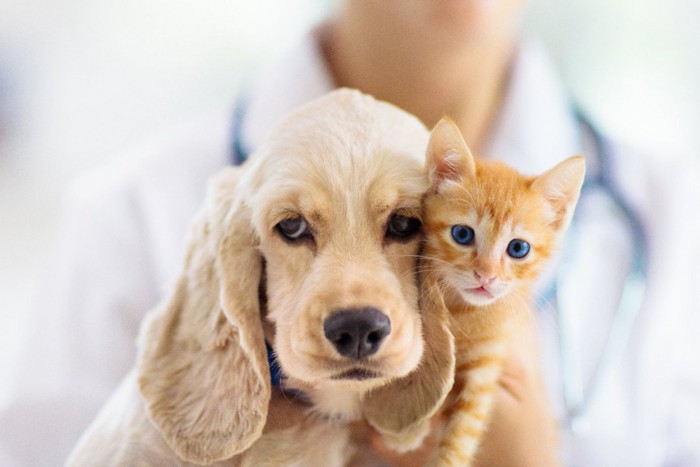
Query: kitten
x=489, y=230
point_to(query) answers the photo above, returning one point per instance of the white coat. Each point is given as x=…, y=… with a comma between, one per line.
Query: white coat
x=122, y=243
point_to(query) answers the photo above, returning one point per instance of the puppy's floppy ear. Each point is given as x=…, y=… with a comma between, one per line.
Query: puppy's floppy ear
x=401, y=410
x=202, y=366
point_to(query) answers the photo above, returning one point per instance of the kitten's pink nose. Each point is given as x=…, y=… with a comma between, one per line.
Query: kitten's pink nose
x=485, y=277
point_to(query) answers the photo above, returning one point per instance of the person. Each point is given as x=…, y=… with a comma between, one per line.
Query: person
x=623, y=385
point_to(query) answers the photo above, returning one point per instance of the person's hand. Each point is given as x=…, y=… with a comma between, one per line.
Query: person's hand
x=521, y=432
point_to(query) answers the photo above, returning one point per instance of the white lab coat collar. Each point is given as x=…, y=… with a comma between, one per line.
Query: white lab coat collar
x=536, y=127
x=533, y=131
x=300, y=77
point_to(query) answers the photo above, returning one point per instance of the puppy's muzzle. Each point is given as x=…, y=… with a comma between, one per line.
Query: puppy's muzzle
x=357, y=333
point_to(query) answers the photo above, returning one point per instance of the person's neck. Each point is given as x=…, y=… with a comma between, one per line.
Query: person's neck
x=425, y=78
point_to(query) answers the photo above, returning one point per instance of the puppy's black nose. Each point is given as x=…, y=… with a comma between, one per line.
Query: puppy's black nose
x=357, y=333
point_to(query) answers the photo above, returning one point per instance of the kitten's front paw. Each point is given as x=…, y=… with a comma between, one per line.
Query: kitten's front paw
x=409, y=439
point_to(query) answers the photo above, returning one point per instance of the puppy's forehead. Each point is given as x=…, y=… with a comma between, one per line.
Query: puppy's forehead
x=345, y=140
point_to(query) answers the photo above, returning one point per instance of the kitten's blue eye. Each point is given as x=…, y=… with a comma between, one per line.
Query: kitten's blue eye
x=463, y=234
x=518, y=248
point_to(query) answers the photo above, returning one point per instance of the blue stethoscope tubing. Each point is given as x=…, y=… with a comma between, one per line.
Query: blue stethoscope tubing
x=239, y=153
x=577, y=394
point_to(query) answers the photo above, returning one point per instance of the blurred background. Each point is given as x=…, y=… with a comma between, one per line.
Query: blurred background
x=81, y=81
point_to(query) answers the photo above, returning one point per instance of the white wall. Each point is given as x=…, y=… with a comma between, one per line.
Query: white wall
x=634, y=65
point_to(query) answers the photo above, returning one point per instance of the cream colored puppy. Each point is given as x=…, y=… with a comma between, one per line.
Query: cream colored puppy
x=310, y=247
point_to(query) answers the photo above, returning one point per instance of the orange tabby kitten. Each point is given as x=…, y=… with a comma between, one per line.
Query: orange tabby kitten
x=489, y=230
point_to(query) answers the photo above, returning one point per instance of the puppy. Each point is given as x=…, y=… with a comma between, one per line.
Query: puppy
x=303, y=262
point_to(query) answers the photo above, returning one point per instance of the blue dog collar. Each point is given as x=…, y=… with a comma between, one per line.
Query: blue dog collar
x=275, y=370
x=276, y=379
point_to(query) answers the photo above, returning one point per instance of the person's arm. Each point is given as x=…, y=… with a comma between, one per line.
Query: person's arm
x=80, y=337
x=683, y=427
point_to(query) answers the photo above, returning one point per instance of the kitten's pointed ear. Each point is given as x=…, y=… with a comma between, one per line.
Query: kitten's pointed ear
x=448, y=156
x=561, y=186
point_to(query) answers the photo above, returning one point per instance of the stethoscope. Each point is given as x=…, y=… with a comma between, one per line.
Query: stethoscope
x=577, y=394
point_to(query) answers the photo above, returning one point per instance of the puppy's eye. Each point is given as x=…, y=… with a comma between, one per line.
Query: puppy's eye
x=294, y=228
x=402, y=226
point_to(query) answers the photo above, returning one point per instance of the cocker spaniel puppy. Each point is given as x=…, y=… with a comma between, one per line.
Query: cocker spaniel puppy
x=296, y=318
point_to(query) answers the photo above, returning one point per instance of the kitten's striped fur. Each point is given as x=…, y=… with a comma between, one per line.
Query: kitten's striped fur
x=483, y=286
